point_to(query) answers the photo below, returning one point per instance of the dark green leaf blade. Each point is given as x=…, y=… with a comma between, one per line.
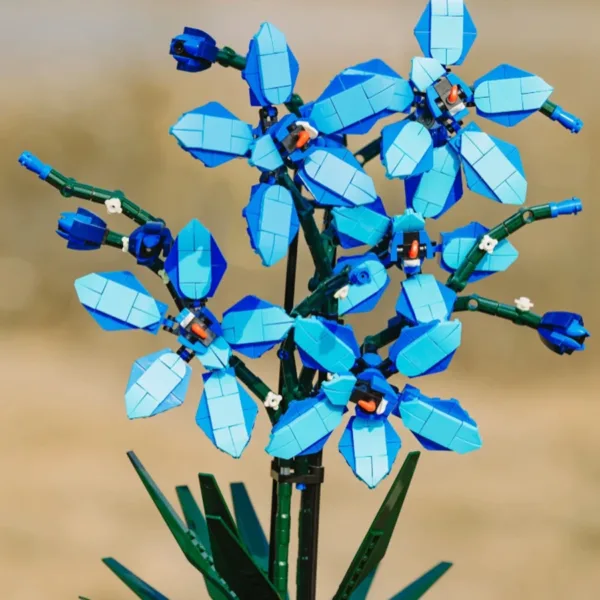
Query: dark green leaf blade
x=418, y=588
x=190, y=546
x=236, y=565
x=193, y=515
x=249, y=526
x=376, y=541
x=139, y=587
x=362, y=591
x=214, y=503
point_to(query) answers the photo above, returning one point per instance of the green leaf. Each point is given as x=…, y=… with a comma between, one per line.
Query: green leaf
x=186, y=539
x=214, y=503
x=193, y=515
x=376, y=541
x=418, y=588
x=362, y=591
x=139, y=587
x=249, y=526
x=236, y=565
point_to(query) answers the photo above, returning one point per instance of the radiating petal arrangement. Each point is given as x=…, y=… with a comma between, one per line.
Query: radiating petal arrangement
x=305, y=151
x=305, y=169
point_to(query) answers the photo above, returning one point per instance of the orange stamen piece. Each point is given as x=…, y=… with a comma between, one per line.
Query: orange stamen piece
x=453, y=95
x=199, y=331
x=303, y=138
x=367, y=405
x=413, y=252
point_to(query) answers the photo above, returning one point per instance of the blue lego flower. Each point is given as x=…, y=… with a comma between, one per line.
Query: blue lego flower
x=149, y=241
x=194, y=50
x=563, y=332
x=83, y=230
x=369, y=443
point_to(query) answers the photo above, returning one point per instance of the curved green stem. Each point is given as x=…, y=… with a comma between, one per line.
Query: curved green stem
x=475, y=303
x=69, y=187
x=460, y=278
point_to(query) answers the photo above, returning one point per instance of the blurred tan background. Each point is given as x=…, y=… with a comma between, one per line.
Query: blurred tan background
x=90, y=88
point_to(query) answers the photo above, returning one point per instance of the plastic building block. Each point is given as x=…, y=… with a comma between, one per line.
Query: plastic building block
x=157, y=383
x=508, y=95
x=271, y=67
x=119, y=301
x=226, y=412
x=272, y=222
x=335, y=178
x=83, y=230
x=406, y=149
x=212, y=134
x=253, y=326
x=492, y=168
x=195, y=265
x=358, y=97
x=325, y=345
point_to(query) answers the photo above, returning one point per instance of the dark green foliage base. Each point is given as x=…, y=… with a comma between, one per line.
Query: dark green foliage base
x=231, y=551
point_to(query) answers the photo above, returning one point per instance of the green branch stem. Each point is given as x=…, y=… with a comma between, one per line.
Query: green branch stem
x=383, y=338
x=253, y=382
x=311, y=232
x=71, y=188
x=475, y=303
x=368, y=152
x=460, y=278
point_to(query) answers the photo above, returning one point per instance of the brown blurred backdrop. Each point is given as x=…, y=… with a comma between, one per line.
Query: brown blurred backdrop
x=90, y=88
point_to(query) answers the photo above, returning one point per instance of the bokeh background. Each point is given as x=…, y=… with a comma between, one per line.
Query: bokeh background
x=89, y=87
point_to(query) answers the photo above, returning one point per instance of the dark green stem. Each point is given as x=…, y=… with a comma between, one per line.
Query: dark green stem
x=280, y=566
x=475, y=303
x=460, y=278
x=228, y=57
x=70, y=188
x=289, y=374
x=253, y=382
x=369, y=152
x=294, y=104
x=312, y=235
x=386, y=336
x=314, y=303
x=114, y=239
x=305, y=381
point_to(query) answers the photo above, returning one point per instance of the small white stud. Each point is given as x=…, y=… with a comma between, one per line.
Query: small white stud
x=113, y=206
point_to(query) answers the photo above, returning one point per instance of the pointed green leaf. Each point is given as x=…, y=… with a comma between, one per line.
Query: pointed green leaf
x=236, y=565
x=139, y=587
x=376, y=542
x=214, y=503
x=418, y=588
x=362, y=591
x=197, y=523
x=249, y=526
x=186, y=539
x=193, y=515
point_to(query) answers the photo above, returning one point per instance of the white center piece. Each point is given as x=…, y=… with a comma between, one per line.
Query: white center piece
x=523, y=304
